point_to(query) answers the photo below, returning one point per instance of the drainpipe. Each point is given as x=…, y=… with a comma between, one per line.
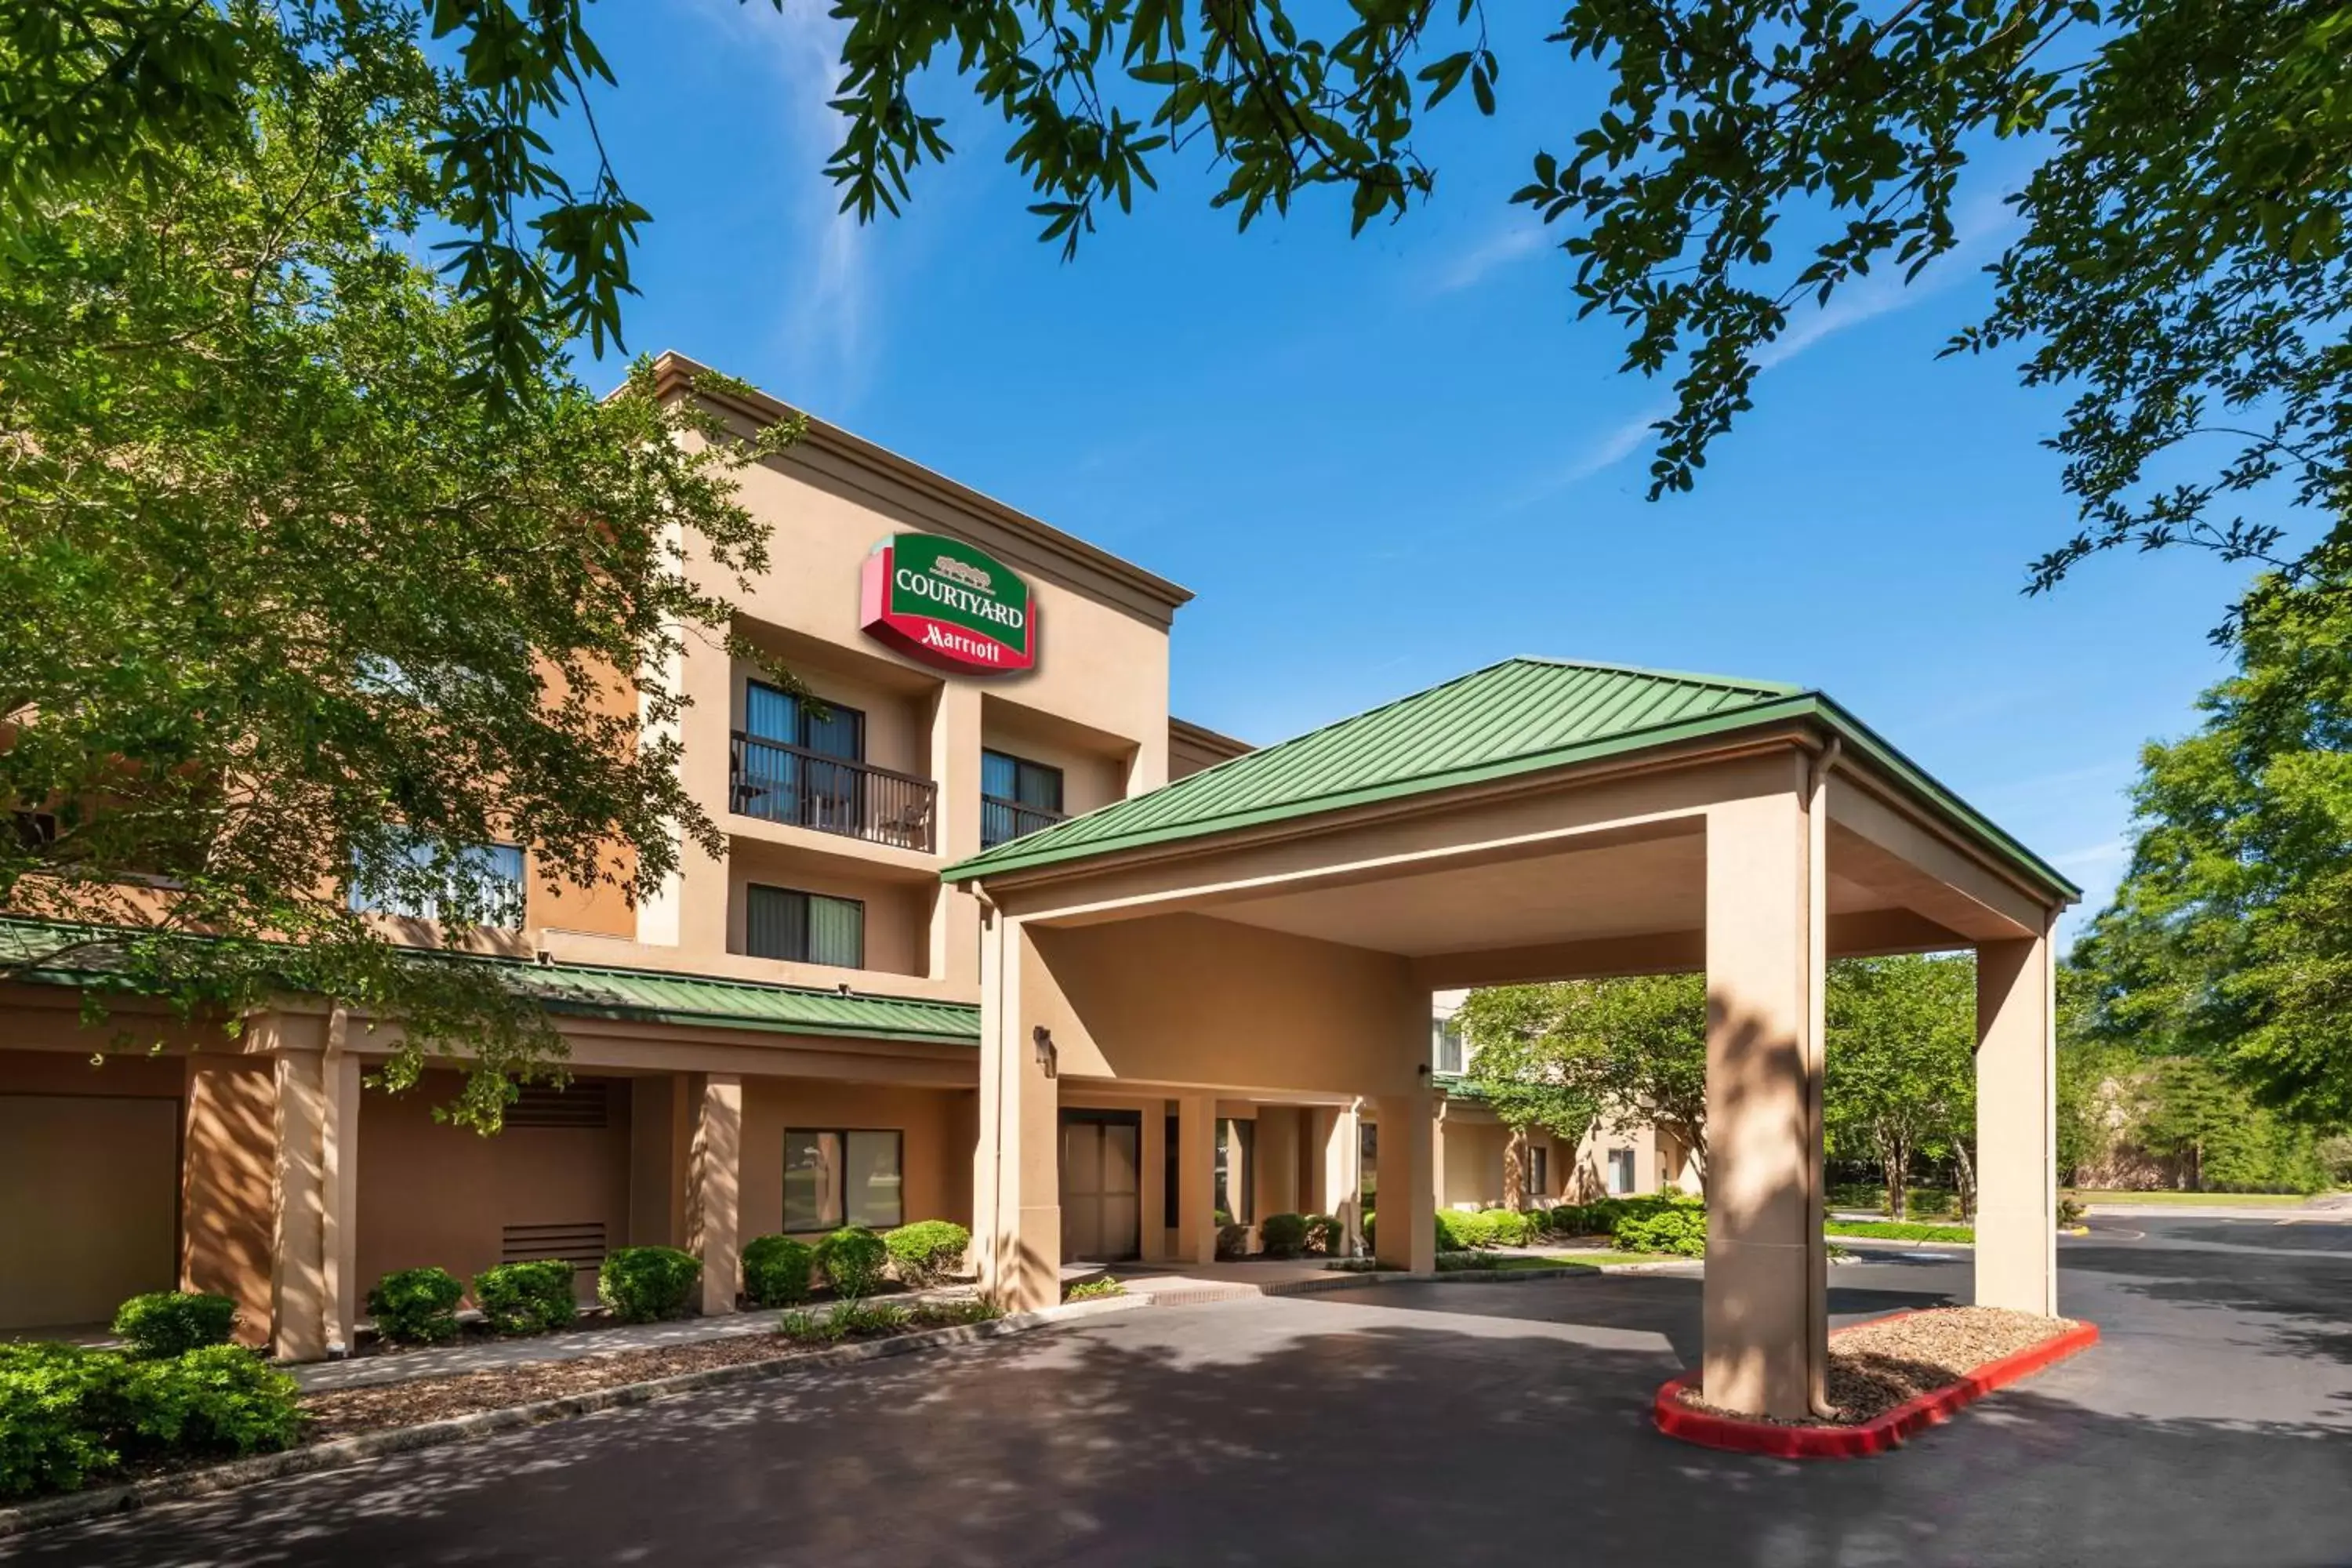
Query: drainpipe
x=1816, y=1025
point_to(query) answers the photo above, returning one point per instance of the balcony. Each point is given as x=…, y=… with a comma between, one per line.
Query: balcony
x=1001, y=819
x=801, y=788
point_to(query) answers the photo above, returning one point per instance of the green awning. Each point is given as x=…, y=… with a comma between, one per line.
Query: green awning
x=599, y=991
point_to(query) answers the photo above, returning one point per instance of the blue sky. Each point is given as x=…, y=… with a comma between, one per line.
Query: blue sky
x=1385, y=461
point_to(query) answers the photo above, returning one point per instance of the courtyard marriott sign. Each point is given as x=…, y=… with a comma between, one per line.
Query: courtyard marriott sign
x=946, y=602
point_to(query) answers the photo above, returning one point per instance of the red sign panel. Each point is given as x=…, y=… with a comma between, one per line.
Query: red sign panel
x=947, y=604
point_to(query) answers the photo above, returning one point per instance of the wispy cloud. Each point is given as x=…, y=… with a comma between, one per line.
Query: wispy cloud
x=2092, y=856
x=828, y=317
x=1496, y=251
x=1976, y=232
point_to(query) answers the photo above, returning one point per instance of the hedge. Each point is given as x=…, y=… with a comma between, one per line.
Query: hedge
x=647, y=1284
x=527, y=1298
x=853, y=1259
x=1282, y=1235
x=416, y=1306
x=69, y=1413
x=1678, y=1229
x=778, y=1271
x=926, y=1251
x=173, y=1322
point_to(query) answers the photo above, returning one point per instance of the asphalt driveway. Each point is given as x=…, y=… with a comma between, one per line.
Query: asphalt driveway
x=1436, y=1423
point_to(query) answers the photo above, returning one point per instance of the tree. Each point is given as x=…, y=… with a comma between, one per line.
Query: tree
x=2183, y=258
x=1518, y=1078
x=1900, y=1076
x=289, y=608
x=2230, y=935
x=1632, y=1047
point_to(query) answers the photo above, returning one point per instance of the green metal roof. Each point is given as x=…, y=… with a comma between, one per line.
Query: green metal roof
x=1520, y=716
x=599, y=991
x=657, y=997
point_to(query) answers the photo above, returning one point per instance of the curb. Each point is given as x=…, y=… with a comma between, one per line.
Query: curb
x=97, y=1502
x=1875, y=1435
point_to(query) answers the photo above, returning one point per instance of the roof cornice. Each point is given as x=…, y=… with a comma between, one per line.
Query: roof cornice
x=675, y=377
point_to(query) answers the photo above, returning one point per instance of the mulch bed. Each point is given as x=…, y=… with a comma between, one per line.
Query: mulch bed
x=1876, y=1366
x=345, y=1412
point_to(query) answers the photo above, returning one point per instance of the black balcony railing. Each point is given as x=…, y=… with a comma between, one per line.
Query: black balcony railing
x=833, y=794
x=1002, y=819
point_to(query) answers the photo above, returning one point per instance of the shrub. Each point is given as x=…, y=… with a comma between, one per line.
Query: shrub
x=1460, y=1232
x=1368, y=1230
x=59, y=1408
x=1508, y=1227
x=416, y=1306
x=647, y=1284
x=527, y=1298
x=954, y=1313
x=1282, y=1235
x=805, y=1328
x=1095, y=1289
x=172, y=1322
x=853, y=1259
x=1679, y=1229
x=857, y=1317
x=217, y=1400
x=2071, y=1212
x=926, y=1251
x=1232, y=1241
x=1570, y=1219
x=778, y=1271
x=1325, y=1233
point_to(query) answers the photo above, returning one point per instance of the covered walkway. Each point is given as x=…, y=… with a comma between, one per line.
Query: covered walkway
x=1271, y=928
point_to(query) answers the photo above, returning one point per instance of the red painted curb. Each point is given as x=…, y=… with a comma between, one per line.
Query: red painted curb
x=1876, y=1435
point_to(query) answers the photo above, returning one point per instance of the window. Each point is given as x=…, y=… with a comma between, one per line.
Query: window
x=481, y=884
x=1538, y=1170
x=804, y=927
x=835, y=1177
x=1368, y=1155
x=1446, y=1044
x=828, y=728
x=1621, y=1172
x=1173, y=1186
x=1017, y=797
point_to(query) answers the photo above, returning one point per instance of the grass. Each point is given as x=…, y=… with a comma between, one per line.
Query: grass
x=2223, y=1200
x=1520, y=1262
x=1889, y=1230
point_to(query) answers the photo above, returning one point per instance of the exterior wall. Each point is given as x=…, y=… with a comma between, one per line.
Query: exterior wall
x=1474, y=1163
x=938, y=1127
x=1191, y=748
x=431, y=1194
x=1187, y=999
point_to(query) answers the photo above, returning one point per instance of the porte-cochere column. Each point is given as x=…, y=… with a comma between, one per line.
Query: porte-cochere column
x=2017, y=1191
x=1766, y=1350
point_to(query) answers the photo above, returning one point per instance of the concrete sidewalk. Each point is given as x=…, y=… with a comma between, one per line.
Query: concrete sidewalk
x=578, y=1344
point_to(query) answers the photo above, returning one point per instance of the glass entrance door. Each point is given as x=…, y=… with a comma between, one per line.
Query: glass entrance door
x=1102, y=1192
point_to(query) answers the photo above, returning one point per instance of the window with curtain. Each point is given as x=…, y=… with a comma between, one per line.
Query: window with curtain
x=1538, y=1170
x=837, y=1176
x=831, y=729
x=1017, y=797
x=481, y=881
x=803, y=928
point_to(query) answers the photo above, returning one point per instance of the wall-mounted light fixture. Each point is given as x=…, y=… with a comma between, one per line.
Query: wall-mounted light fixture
x=1047, y=1057
x=1421, y=1072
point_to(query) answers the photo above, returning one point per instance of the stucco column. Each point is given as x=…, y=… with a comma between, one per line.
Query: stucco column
x=1152, y=1183
x=299, y=1302
x=1196, y=1179
x=1767, y=1267
x=1339, y=1172
x=2017, y=1191
x=1404, y=1235
x=1018, y=1165
x=714, y=1194
x=339, y=1147
x=955, y=828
